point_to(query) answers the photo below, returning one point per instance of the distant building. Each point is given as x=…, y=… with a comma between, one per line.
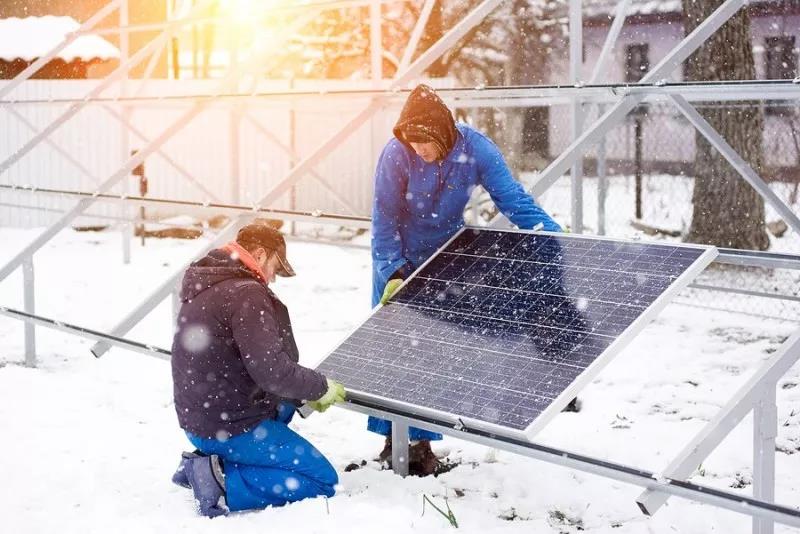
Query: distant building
x=24, y=40
x=139, y=12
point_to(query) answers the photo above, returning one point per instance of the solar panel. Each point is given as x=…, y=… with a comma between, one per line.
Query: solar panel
x=500, y=329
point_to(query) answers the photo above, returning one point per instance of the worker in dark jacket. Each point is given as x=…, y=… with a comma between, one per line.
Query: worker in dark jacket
x=237, y=381
x=424, y=179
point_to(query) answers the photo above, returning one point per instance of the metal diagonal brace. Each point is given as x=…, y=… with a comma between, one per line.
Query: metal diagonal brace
x=726, y=419
x=55, y=146
x=736, y=161
x=416, y=34
x=611, y=40
x=168, y=286
x=293, y=158
x=620, y=110
x=174, y=164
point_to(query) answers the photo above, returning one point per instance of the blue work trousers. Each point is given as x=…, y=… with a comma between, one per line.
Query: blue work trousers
x=270, y=465
x=384, y=427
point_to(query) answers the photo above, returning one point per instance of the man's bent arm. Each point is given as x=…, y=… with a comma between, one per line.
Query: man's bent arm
x=259, y=341
x=507, y=193
x=387, y=210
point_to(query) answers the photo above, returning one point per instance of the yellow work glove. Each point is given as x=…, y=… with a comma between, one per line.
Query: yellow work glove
x=391, y=288
x=335, y=393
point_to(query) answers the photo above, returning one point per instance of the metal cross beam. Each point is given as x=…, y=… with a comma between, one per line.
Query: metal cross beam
x=737, y=161
x=726, y=420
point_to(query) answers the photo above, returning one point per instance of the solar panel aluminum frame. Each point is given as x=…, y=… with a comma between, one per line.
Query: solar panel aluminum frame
x=581, y=381
x=645, y=318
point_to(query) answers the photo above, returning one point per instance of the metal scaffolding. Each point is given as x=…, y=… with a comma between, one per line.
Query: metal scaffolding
x=615, y=102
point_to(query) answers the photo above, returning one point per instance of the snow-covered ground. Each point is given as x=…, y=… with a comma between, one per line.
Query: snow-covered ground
x=89, y=445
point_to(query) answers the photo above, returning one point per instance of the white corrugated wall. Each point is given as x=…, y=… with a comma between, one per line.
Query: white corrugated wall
x=204, y=147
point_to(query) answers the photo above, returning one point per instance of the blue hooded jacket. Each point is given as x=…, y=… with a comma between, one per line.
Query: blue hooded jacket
x=418, y=206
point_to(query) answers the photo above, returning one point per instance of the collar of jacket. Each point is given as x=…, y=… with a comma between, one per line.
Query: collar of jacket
x=458, y=148
x=246, y=258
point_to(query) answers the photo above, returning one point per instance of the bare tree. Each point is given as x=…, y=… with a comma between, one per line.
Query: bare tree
x=727, y=212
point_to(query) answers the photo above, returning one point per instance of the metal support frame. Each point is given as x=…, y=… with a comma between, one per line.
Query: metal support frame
x=29, y=300
x=620, y=110
x=125, y=137
x=757, y=392
x=180, y=169
x=294, y=158
x=134, y=160
x=736, y=161
x=234, y=149
x=400, y=448
x=167, y=287
x=576, y=110
x=300, y=169
x=353, y=221
x=490, y=96
x=599, y=67
x=765, y=430
x=623, y=473
x=602, y=181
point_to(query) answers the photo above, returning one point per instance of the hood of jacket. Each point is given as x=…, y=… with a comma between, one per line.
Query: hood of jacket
x=214, y=268
x=426, y=118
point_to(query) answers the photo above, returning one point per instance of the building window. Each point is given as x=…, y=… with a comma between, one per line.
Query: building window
x=781, y=64
x=536, y=131
x=637, y=62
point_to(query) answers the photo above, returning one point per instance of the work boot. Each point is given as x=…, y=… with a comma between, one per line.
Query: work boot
x=421, y=459
x=574, y=405
x=207, y=479
x=385, y=457
x=180, y=477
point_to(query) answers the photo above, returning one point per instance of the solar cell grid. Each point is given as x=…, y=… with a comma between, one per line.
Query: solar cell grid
x=498, y=325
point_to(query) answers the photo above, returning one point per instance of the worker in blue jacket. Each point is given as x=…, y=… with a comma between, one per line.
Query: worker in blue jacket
x=425, y=177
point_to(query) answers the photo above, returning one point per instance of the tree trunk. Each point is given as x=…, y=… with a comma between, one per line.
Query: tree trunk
x=727, y=212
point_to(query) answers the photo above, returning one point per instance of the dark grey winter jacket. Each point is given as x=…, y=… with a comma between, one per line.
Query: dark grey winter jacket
x=234, y=356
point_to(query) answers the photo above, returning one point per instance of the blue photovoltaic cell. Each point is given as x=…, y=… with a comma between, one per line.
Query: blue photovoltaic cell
x=498, y=324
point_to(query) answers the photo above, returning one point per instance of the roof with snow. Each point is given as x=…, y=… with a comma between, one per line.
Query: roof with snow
x=598, y=8
x=33, y=37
